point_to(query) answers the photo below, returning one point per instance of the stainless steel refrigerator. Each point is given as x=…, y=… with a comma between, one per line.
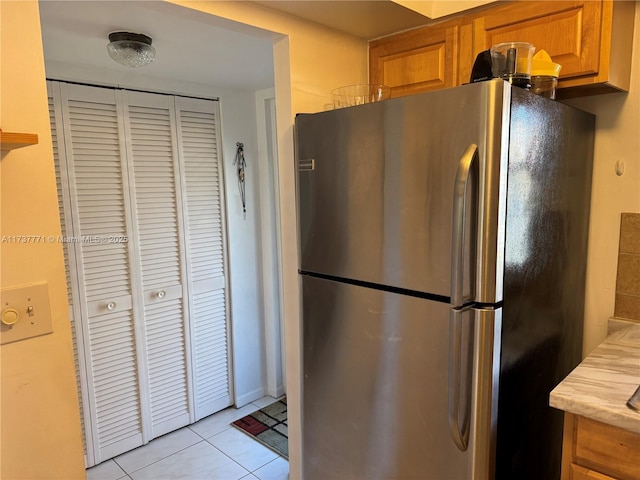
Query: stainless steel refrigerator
x=443, y=241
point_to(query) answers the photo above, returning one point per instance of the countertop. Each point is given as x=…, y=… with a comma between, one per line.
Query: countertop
x=600, y=386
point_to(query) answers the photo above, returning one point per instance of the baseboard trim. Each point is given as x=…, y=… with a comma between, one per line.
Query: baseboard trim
x=242, y=400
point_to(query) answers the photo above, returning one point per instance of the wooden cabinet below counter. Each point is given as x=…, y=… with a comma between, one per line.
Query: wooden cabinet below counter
x=596, y=451
x=592, y=40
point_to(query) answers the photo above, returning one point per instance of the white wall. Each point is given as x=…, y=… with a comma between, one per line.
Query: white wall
x=271, y=253
x=238, y=111
x=617, y=139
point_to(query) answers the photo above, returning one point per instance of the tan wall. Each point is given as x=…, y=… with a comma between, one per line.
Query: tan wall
x=40, y=421
x=40, y=424
x=320, y=59
x=309, y=62
x=39, y=410
x=617, y=138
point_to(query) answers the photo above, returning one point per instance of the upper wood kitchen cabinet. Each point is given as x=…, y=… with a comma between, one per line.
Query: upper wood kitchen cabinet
x=417, y=60
x=591, y=40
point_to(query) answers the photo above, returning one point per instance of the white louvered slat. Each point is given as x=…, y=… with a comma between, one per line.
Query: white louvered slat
x=198, y=129
x=94, y=151
x=151, y=138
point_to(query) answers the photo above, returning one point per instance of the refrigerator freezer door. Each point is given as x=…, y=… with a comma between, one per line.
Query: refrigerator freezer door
x=375, y=386
x=376, y=188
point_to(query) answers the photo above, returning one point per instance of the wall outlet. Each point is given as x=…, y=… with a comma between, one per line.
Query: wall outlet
x=25, y=312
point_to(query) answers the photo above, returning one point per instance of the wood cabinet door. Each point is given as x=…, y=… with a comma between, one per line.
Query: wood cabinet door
x=592, y=450
x=581, y=473
x=416, y=61
x=607, y=449
x=591, y=39
x=569, y=31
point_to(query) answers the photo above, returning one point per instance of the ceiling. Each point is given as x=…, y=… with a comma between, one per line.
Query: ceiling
x=191, y=46
x=362, y=18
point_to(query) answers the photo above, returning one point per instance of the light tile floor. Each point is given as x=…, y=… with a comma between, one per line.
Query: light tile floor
x=209, y=449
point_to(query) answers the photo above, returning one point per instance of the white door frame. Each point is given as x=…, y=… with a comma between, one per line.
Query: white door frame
x=271, y=245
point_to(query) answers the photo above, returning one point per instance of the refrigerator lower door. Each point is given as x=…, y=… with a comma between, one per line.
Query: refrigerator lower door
x=376, y=387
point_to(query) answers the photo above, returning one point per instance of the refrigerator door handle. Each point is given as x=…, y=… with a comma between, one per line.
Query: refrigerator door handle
x=460, y=379
x=461, y=188
x=487, y=327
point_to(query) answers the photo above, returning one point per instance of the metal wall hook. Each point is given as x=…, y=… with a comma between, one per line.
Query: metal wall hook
x=241, y=164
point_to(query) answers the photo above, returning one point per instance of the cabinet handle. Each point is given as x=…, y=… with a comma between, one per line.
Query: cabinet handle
x=161, y=294
x=111, y=306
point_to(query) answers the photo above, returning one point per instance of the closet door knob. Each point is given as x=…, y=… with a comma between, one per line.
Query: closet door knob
x=162, y=294
x=111, y=306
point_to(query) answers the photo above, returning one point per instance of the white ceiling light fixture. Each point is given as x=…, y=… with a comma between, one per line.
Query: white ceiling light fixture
x=131, y=49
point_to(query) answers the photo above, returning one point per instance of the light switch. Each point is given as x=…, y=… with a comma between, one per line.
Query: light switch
x=25, y=311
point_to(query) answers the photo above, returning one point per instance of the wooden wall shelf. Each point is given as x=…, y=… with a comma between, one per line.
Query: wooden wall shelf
x=11, y=140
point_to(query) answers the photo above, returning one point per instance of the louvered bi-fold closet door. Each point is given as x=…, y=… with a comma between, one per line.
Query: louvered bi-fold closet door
x=95, y=157
x=62, y=187
x=153, y=170
x=205, y=231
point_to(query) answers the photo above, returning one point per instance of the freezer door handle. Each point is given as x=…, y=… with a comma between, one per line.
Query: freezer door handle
x=461, y=197
x=460, y=378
